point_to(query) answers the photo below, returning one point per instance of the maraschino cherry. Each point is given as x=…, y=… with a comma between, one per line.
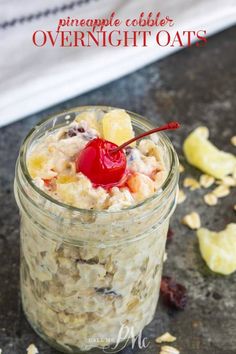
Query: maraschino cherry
x=104, y=162
x=98, y=162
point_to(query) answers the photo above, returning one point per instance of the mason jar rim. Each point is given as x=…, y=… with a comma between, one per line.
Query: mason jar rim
x=135, y=117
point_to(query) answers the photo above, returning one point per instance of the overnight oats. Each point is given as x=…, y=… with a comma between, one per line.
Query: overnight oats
x=94, y=220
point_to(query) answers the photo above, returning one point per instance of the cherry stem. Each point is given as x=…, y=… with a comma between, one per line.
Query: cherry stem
x=168, y=126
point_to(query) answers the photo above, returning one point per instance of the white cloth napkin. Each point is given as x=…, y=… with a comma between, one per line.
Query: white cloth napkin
x=34, y=78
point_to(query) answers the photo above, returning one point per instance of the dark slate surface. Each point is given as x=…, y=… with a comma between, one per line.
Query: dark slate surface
x=196, y=86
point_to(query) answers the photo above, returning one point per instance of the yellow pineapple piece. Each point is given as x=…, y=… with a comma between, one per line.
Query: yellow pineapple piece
x=91, y=119
x=218, y=249
x=63, y=179
x=36, y=164
x=201, y=153
x=117, y=127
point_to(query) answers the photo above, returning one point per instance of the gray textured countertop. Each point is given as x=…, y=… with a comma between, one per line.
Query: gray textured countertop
x=195, y=86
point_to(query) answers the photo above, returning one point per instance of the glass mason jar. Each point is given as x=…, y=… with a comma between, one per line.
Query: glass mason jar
x=90, y=279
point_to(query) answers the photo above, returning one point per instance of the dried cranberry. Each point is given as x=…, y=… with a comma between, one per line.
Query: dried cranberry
x=71, y=133
x=81, y=130
x=74, y=131
x=170, y=234
x=128, y=150
x=173, y=294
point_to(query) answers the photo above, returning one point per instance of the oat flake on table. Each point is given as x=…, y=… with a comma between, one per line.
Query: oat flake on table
x=167, y=349
x=166, y=337
x=191, y=183
x=192, y=220
x=221, y=191
x=32, y=349
x=210, y=199
x=206, y=181
x=233, y=140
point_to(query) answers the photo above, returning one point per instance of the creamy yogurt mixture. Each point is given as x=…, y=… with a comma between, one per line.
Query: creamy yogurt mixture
x=78, y=296
x=51, y=164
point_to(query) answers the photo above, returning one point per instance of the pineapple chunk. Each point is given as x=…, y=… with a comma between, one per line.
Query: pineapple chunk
x=36, y=164
x=91, y=119
x=63, y=179
x=117, y=127
x=218, y=249
x=201, y=153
